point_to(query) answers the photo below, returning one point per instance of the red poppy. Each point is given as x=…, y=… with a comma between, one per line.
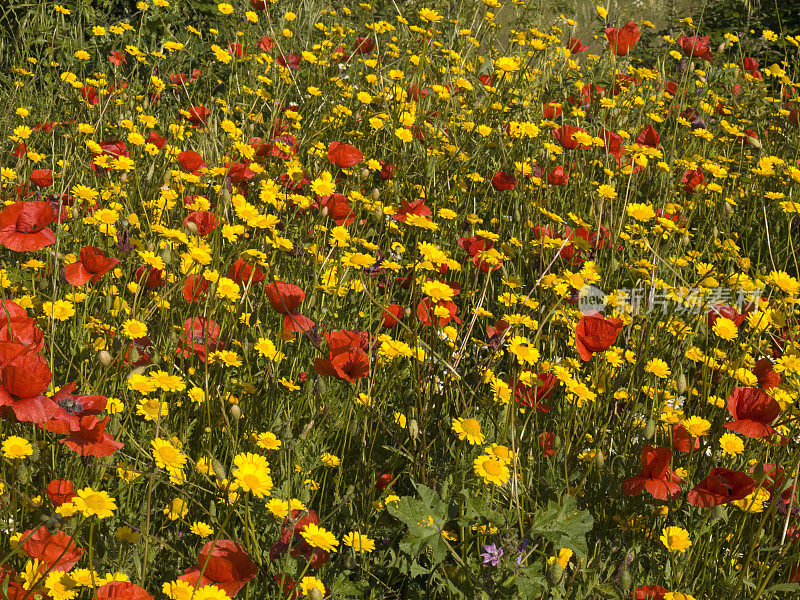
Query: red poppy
x=720, y=487
x=655, y=475
x=41, y=178
x=576, y=46
x=258, y=4
x=344, y=156
x=648, y=137
x=696, y=47
x=199, y=337
x=503, y=181
x=121, y=590
x=557, y=176
x=753, y=412
x=692, y=179
x=723, y=310
x=337, y=207
x=427, y=309
x=155, y=138
x=227, y=565
x=92, y=264
x=595, y=333
x=89, y=93
x=198, y=115
x=682, y=441
x=550, y=111
x=89, y=438
x=650, y=592
x=533, y=397
x=239, y=173
x=195, y=288
x=18, y=327
x=417, y=207
x=613, y=141
x=60, y=491
x=151, y=278
x=190, y=161
x=391, y=315
x=622, y=39
x=57, y=550
x=284, y=297
x=117, y=57
x=767, y=377
x=384, y=480
x=236, y=49
x=547, y=442
x=387, y=171
x=71, y=408
x=347, y=363
x=283, y=146
x=564, y=137
x=289, y=61
x=24, y=226
x=363, y=45
x=204, y=221
x=243, y=273
x=24, y=376
x=473, y=245
x=487, y=266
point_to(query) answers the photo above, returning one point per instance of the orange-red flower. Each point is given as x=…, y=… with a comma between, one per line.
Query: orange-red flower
x=622, y=39
x=24, y=226
x=595, y=333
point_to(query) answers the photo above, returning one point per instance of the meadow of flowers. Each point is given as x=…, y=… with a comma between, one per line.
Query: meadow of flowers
x=312, y=301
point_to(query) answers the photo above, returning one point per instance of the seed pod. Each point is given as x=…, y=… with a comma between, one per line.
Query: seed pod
x=364, y=174
x=23, y=475
x=218, y=469
x=377, y=212
x=104, y=358
x=376, y=194
x=554, y=573
x=192, y=228
x=680, y=383
x=650, y=429
x=728, y=208
x=76, y=212
x=626, y=580
x=235, y=412
x=599, y=459
x=686, y=240
x=413, y=429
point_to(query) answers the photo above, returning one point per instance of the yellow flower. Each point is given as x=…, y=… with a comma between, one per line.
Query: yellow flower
x=252, y=474
x=430, y=16
x=508, y=64
x=94, y=503
x=176, y=509
x=696, y=426
x=468, y=429
x=15, y=447
x=167, y=456
x=323, y=185
x=133, y=329
x=675, y=539
x=309, y=584
x=225, y=8
x=725, y=328
x=318, y=537
x=403, y=134
x=640, y=212
x=60, y=310
x=201, y=529
x=602, y=12
x=492, y=469
x=359, y=542
x=330, y=460
x=658, y=367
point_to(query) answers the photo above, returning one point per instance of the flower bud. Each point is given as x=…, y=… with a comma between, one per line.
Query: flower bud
x=376, y=194
x=217, y=468
x=650, y=429
x=104, y=358
x=235, y=412
x=364, y=174
x=413, y=429
x=192, y=228
x=680, y=383
x=554, y=573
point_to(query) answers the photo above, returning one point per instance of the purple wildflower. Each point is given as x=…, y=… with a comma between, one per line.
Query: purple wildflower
x=491, y=554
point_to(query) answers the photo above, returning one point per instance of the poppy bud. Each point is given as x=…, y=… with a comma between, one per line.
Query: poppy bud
x=715, y=232
x=320, y=386
x=364, y=174
x=76, y=212
x=23, y=475
x=626, y=580
x=192, y=227
x=35, y=453
x=413, y=429
x=407, y=311
x=315, y=594
x=759, y=472
x=557, y=442
x=376, y=194
x=133, y=356
x=235, y=412
x=728, y=208
x=218, y=469
x=554, y=573
x=166, y=255
x=650, y=429
x=599, y=459
x=680, y=383
x=686, y=240
x=104, y=358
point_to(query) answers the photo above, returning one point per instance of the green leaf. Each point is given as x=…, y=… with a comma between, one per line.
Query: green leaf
x=564, y=524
